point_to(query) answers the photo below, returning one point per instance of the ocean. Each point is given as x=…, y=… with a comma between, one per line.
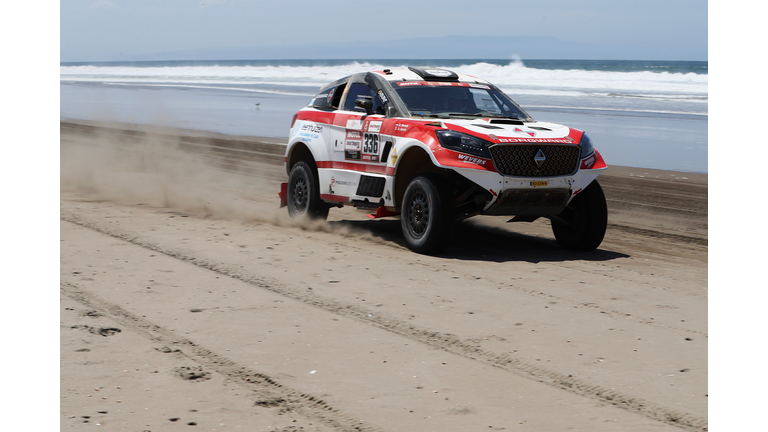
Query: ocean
x=645, y=114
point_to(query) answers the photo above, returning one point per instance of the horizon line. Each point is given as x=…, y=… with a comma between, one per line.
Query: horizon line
x=378, y=59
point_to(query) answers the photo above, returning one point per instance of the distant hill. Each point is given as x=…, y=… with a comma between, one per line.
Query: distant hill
x=464, y=47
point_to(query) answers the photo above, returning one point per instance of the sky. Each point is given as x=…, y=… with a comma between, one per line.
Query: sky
x=101, y=30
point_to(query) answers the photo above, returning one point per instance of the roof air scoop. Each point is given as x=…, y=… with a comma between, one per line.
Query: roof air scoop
x=434, y=74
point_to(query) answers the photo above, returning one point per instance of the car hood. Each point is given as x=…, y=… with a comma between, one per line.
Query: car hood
x=506, y=130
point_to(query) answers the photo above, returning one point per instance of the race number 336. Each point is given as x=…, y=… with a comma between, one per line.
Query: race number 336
x=371, y=143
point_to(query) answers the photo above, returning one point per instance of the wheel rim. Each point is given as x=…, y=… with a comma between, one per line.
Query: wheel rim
x=418, y=215
x=300, y=194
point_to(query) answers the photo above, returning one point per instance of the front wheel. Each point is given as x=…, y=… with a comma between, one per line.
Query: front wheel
x=304, y=193
x=581, y=226
x=427, y=214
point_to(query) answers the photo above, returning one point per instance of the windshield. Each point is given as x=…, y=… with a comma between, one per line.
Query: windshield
x=442, y=99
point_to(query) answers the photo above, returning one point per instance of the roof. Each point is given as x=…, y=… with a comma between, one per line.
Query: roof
x=427, y=74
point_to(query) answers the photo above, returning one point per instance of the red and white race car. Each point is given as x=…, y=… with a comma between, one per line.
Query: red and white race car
x=434, y=146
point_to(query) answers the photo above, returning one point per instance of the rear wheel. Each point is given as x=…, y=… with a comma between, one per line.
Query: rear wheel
x=581, y=226
x=427, y=214
x=304, y=193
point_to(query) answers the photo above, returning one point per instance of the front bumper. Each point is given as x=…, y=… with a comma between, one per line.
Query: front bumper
x=511, y=196
x=530, y=202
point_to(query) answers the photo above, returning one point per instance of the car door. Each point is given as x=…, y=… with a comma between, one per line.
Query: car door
x=355, y=144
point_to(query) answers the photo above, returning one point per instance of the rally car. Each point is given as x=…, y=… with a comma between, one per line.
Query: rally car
x=434, y=147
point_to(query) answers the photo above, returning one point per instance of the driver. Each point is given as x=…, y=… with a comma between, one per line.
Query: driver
x=460, y=100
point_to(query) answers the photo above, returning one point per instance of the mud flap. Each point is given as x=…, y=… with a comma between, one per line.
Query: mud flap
x=283, y=194
x=382, y=212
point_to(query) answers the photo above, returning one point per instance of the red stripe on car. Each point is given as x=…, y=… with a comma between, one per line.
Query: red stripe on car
x=352, y=166
x=337, y=198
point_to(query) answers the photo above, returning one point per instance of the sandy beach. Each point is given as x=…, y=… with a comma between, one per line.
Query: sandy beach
x=190, y=301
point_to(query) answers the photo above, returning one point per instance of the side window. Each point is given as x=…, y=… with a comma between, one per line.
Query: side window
x=358, y=90
x=328, y=100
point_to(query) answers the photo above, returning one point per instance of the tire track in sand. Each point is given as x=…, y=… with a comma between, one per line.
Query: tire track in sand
x=431, y=338
x=268, y=390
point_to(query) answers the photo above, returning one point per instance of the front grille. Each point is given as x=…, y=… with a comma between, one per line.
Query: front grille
x=519, y=160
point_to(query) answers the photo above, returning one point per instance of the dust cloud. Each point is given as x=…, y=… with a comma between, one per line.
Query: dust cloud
x=155, y=170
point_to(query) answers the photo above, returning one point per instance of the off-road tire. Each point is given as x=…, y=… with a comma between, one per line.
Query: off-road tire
x=304, y=193
x=427, y=214
x=581, y=226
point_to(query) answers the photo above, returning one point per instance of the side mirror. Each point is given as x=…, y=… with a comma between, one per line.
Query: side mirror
x=366, y=103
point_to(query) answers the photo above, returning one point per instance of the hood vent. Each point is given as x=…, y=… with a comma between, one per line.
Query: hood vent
x=487, y=126
x=507, y=121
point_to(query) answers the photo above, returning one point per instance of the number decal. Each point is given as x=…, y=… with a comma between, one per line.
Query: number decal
x=371, y=143
x=371, y=147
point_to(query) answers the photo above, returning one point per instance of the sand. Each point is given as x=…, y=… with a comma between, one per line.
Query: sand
x=189, y=301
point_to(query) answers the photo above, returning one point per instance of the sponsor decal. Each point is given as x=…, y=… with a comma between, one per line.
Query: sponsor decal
x=441, y=83
x=436, y=72
x=472, y=159
x=588, y=162
x=335, y=182
x=539, y=183
x=353, y=144
x=536, y=140
x=330, y=95
x=374, y=126
x=307, y=131
x=356, y=124
x=401, y=127
x=354, y=140
x=308, y=127
x=309, y=136
x=382, y=97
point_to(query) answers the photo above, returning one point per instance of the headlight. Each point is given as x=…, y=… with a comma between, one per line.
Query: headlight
x=464, y=143
x=586, y=146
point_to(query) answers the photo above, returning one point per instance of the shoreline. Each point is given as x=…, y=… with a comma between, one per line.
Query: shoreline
x=616, y=170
